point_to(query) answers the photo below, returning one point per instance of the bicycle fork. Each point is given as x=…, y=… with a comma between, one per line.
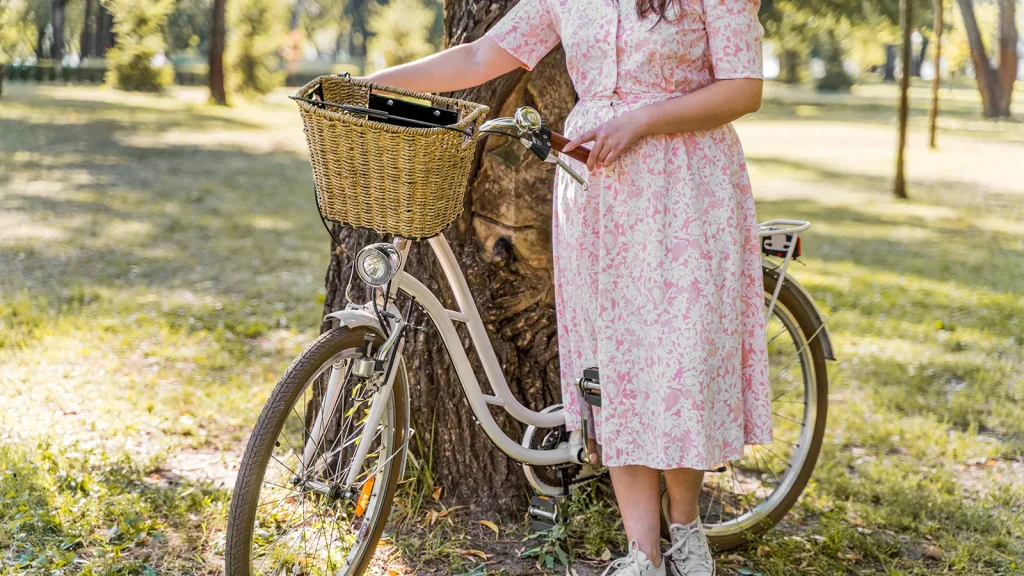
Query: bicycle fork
x=381, y=365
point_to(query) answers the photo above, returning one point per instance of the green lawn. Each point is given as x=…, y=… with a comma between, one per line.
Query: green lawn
x=161, y=262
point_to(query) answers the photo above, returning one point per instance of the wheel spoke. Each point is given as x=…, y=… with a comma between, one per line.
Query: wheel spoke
x=297, y=530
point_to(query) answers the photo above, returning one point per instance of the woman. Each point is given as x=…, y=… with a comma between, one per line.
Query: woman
x=663, y=241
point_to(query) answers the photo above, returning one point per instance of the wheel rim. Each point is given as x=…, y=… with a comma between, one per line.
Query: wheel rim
x=742, y=495
x=298, y=529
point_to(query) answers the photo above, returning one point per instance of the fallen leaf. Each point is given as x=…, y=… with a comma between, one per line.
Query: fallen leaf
x=932, y=551
x=735, y=558
x=478, y=553
x=606, y=555
x=437, y=494
x=490, y=525
x=851, y=556
x=763, y=550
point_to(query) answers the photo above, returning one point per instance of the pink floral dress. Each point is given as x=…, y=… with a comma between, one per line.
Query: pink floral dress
x=657, y=265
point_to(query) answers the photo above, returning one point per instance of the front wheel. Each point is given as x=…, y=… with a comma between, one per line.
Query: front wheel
x=287, y=514
x=748, y=496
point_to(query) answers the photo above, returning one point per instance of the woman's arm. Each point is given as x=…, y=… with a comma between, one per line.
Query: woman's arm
x=456, y=68
x=710, y=107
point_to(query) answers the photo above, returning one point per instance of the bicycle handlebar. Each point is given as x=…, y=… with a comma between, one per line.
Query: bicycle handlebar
x=580, y=153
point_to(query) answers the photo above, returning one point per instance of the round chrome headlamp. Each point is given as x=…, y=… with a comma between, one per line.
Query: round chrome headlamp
x=377, y=264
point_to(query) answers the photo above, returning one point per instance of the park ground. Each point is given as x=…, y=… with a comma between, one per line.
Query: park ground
x=161, y=262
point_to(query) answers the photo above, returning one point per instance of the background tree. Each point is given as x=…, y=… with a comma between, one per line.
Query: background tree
x=401, y=31
x=900, y=184
x=17, y=30
x=104, y=29
x=215, y=76
x=933, y=112
x=835, y=79
x=188, y=27
x=257, y=28
x=995, y=83
x=504, y=244
x=41, y=18
x=140, y=39
x=57, y=23
x=85, y=41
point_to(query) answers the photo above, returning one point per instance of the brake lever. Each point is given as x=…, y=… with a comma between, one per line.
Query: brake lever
x=540, y=145
x=554, y=159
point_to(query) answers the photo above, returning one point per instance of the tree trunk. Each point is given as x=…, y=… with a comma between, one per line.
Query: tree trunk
x=85, y=42
x=900, y=188
x=216, y=55
x=1008, y=60
x=357, y=32
x=297, y=13
x=889, y=71
x=503, y=242
x=933, y=113
x=40, y=39
x=57, y=20
x=104, y=31
x=789, y=66
x=995, y=86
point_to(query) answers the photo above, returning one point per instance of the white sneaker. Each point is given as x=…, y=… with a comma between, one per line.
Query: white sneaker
x=635, y=564
x=690, y=554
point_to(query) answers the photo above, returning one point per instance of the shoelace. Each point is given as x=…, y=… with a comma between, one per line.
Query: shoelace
x=684, y=543
x=625, y=562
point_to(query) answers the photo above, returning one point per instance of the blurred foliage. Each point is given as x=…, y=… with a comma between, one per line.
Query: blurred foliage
x=256, y=30
x=401, y=31
x=133, y=63
x=327, y=24
x=188, y=27
x=18, y=27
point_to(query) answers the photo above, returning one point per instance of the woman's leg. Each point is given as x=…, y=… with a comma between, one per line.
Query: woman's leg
x=638, y=490
x=683, y=491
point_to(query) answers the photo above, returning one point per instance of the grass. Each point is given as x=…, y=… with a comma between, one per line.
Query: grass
x=161, y=262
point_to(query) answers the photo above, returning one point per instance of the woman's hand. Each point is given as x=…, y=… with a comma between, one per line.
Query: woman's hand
x=611, y=139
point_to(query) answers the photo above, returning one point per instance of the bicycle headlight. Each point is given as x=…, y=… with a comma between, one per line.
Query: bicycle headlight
x=377, y=264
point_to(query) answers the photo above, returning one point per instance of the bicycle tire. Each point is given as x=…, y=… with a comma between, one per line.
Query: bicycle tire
x=245, y=498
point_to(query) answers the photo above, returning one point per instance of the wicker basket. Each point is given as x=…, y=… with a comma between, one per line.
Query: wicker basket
x=397, y=180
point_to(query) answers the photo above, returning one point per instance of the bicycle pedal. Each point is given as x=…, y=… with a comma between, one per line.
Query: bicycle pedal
x=544, y=513
x=590, y=385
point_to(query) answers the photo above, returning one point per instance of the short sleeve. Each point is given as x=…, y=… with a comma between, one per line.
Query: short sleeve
x=528, y=31
x=734, y=38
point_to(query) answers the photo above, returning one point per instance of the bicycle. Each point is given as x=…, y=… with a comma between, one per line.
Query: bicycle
x=318, y=477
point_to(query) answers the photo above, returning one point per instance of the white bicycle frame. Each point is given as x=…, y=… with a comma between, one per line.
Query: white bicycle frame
x=445, y=319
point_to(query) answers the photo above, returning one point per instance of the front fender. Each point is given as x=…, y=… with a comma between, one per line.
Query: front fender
x=355, y=316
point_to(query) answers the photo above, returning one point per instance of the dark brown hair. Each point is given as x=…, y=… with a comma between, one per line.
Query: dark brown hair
x=656, y=7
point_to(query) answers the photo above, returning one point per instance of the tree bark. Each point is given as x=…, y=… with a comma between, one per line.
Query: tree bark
x=933, y=113
x=900, y=187
x=215, y=75
x=995, y=85
x=85, y=42
x=503, y=243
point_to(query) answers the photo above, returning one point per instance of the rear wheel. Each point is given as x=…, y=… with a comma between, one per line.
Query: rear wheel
x=750, y=495
x=286, y=518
